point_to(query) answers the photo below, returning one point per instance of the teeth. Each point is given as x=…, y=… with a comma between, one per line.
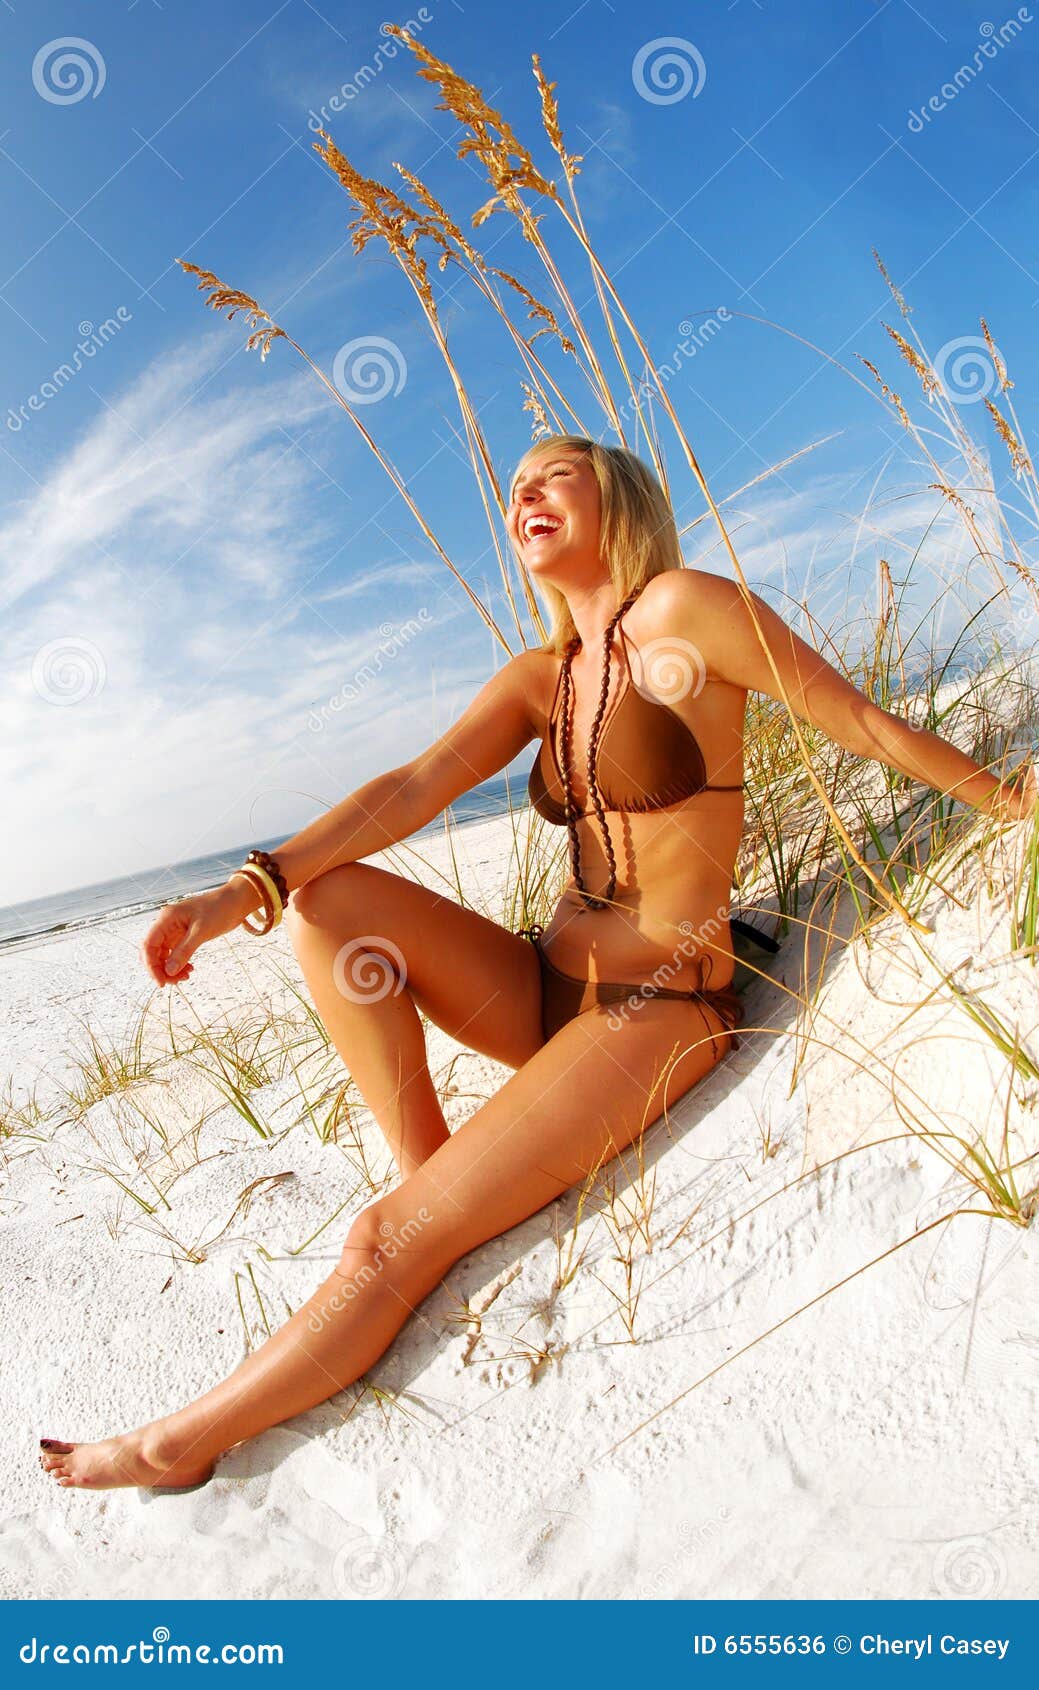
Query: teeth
x=536, y=525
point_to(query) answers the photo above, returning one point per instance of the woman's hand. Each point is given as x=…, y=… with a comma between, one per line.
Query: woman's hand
x=1015, y=799
x=180, y=928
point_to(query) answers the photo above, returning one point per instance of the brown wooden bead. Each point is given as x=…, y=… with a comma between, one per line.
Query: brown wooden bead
x=572, y=647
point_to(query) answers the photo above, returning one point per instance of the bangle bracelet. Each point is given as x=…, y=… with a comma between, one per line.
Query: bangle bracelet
x=266, y=907
x=262, y=859
x=267, y=884
x=271, y=901
x=264, y=878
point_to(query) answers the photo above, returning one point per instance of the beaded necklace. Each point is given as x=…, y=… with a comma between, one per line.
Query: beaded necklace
x=591, y=901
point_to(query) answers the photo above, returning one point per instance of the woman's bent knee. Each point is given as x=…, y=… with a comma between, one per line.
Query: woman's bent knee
x=398, y=1238
x=326, y=895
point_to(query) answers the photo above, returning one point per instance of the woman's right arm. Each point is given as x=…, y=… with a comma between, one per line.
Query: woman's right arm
x=390, y=807
x=381, y=812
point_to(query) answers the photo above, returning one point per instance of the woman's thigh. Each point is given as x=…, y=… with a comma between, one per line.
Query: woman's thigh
x=580, y=1100
x=472, y=977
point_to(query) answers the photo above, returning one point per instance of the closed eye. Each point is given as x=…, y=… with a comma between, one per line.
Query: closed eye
x=556, y=469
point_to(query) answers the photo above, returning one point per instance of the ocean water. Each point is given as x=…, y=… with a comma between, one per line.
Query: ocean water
x=85, y=906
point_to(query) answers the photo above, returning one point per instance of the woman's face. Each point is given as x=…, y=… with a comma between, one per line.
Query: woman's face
x=553, y=518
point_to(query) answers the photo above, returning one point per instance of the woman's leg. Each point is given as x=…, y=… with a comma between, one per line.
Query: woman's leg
x=579, y=1100
x=375, y=949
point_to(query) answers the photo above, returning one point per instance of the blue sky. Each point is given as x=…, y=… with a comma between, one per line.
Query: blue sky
x=199, y=553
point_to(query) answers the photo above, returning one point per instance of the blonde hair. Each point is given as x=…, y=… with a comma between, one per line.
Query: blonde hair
x=638, y=537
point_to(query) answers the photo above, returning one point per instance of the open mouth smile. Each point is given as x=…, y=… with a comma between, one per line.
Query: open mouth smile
x=538, y=525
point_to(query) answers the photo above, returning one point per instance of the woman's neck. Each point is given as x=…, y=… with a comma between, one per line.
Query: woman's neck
x=592, y=610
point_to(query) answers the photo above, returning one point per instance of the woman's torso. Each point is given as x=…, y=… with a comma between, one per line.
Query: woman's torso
x=674, y=864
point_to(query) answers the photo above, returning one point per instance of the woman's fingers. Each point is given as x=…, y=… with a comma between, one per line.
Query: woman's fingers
x=168, y=945
x=1025, y=793
x=184, y=940
x=180, y=952
x=179, y=930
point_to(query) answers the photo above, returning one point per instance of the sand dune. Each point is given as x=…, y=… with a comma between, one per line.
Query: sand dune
x=517, y=1442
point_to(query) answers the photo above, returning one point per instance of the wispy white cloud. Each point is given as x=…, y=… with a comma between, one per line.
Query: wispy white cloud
x=179, y=572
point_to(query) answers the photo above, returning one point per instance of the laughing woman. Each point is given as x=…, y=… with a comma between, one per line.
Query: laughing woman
x=647, y=781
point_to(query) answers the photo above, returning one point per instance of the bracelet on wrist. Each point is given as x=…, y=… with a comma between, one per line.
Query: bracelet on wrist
x=263, y=871
x=272, y=905
x=263, y=859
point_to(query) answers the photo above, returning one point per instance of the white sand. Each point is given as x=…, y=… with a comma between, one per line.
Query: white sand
x=880, y=1444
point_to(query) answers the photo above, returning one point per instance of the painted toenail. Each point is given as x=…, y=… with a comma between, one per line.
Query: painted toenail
x=48, y=1443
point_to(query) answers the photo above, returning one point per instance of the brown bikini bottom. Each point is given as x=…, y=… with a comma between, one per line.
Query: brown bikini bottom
x=565, y=995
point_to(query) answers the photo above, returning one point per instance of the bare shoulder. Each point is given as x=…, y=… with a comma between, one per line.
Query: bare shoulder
x=534, y=675
x=692, y=606
x=531, y=677
x=681, y=592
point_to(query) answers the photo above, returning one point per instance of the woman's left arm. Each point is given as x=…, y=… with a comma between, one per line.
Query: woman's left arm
x=820, y=694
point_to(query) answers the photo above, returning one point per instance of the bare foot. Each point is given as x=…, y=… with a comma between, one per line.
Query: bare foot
x=148, y=1457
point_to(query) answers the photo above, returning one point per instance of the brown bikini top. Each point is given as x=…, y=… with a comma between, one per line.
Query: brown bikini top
x=648, y=758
